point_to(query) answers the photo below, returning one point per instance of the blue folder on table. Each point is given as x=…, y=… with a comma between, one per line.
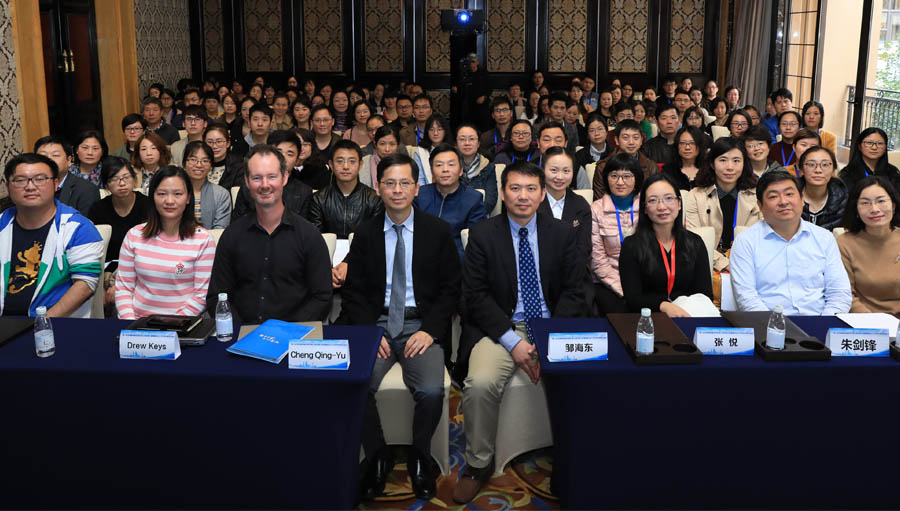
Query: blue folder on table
x=270, y=341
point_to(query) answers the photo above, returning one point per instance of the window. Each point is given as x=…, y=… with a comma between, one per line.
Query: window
x=801, y=35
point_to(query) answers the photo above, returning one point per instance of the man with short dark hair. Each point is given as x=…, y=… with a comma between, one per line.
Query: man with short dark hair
x=559, y=103
x=518, y=266
x=404, y=112
x=323, y=124
x=194, y=120
x=493, y=141
x=133, y=126
x=682, y=102
x=782, y=100
x=50, y=254
x=260, y=124
x=211, y=105
x=628, y=140
x=272, y=262
x=80, y=194
x=661, y=148
x=668, y=95
x=785, y=260
x=190, y=97
x=151, y=108
x=589, y=97
x=296, y=194
x=403, y=276
x=412, y=133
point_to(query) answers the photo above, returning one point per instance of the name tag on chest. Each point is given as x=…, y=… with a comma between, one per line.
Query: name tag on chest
x=724, y=341
x=331, y=354
x=147, y=344
x=577, y=347
x=858, y=342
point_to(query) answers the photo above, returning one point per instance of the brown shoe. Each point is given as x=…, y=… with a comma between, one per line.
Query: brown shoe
x=470, y=483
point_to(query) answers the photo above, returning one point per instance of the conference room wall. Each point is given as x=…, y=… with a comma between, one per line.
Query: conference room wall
x=11, y=141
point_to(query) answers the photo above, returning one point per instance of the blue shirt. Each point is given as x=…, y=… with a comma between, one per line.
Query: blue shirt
x=771, y=124
x=590, y=99
x=462, y=208
x=390, y=243
x=805, y=275
x=509, y=339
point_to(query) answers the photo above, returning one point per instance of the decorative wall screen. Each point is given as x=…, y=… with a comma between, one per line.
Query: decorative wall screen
x=628, y=36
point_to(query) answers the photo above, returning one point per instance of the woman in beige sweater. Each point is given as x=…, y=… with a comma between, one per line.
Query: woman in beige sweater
x=871, y=246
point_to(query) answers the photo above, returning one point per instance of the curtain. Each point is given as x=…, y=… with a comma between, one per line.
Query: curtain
x=748, y=66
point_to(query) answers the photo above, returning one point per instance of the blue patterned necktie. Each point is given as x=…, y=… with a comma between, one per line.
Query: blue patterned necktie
x=397, y=303
x=528, y=282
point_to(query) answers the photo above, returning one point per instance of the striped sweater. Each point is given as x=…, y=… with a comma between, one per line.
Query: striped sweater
x=72, y=252
x=162, y=275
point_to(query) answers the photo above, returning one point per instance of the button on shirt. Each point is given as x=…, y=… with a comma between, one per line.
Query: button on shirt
x=509, y=339
x=390, y=243
x=556, y=206
x=804, y=275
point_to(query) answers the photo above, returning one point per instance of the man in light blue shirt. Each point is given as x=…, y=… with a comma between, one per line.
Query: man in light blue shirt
x=785, y=260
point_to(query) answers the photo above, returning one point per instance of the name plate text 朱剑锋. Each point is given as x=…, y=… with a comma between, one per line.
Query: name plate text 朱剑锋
x=858, y=342
x=332, y=354
x=724, y=341
x=577, y=347
x=149, y=344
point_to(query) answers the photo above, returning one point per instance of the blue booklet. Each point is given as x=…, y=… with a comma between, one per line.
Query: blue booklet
x=270, y=341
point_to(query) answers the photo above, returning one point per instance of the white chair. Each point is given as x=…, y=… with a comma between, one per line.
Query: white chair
x=591, y=168
x=524, y=421
x=481, y=190
x=587, y=194
x=395, y=408
x=709, y=119
x=464, y=236
x=778, y=137
x=411, y=151
x=105, y=231
x=894, y=158
x=719, y=132
x=498, y=171
x=654, y=130
x=331, y=241
x=709, y=239
x=216, y=234
x=684, y=196
x=234, y=194
x=104, y=193
x=837, y=231
x=579, y=147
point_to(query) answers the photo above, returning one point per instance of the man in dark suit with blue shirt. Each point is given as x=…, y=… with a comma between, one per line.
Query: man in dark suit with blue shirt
x=403, y=275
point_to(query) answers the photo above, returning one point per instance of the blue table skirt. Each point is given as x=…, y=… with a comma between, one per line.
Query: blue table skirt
x=210, y=430
x=733, y=432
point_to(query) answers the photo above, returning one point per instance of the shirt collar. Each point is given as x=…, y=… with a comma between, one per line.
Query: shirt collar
x=597, y=153
x=287, y=218
x=554, y=202
x=768, y=231
x=723, y=193
x=531, y=225
x=408, y=223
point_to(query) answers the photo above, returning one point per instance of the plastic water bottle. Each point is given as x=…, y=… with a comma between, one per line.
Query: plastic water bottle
x=224, y=327
x=645, y=335
x=775, y=330
x=44, y=345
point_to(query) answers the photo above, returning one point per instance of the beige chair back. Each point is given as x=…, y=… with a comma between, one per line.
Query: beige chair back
x=481, y=191
x=837, y=231
x=654, y=130
x=234, y=194
x=590, y=168
x=331, y=241
x=104, y=193
x=216, y=234
x=579, y=147
x=587, y=194
x=719, y=132
x=464, y=235
x=709, y=119
x=411, y=151
x=708, y=234
x=894, y=158
x=105, y=231
x=498, y=170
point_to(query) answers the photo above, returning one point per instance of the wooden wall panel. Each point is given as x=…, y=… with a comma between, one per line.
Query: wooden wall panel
x=686, y=36
x=383, y=36
x=263, y=36
x=628, y=34
x=323, y=22
x=567, y=37
x=506, y=36
x=213, y=40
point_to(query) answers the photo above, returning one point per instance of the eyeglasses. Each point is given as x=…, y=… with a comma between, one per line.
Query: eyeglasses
x=625, y=177
x=502, y=110
x=435, y=129
x=813, y=165
x=121, y=179
x=593, y=131
x=790, y=124
x=755, y=146
x=193, y=119
x=390, y=184
x=687, y=143
x=421, y=108
x=521, y=134
x=216, y=142
x=22, y=181
x=195, y=161
x=322, y=120
x=668, y=200
x=134, y=129
x=740, y=124
x=867, y=204
x=873, y=144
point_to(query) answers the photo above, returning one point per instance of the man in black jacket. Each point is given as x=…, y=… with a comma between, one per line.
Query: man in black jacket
x=78, y=193
x=403, y=276
x=346, y=203
x=297, y=194
x=518, y=266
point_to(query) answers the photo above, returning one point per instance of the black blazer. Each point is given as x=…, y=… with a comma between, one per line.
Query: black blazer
x=435, y=268
x=490, y=282
x=78, y=193
x=577, y=213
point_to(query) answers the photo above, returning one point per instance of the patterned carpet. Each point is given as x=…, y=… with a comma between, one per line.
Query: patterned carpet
x=525, y=484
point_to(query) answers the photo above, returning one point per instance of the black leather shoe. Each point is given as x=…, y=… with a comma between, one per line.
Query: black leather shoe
x=423, y=481
x=376, y=476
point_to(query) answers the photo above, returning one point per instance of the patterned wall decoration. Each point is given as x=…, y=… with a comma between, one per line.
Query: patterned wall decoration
x=163, y=42
x=323, y=35
x=506, y=38
x=10, y=131
x=437, y=41
x=262, y=35
x=628, y=36
x=567, y=45
x=214, y=43
x=686, y=36
x=441, y=100
x=384, y=36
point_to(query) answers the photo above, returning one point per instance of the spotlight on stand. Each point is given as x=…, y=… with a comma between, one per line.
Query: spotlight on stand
x=462, y=19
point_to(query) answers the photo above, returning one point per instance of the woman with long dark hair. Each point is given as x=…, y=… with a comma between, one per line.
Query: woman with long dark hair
x=90, y=149
x=868, y=157
x=165, y=263
x=437, y=131
x=824, y=195
x=662, y=260
x=690, y=156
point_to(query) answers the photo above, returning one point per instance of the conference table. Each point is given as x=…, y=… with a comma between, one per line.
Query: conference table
x=86, y=429
x=731, y=432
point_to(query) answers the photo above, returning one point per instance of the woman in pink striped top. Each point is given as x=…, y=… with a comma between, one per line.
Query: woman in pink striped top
x=165, y=264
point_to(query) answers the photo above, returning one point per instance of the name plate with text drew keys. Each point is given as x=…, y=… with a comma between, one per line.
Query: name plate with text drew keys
x=331, y=354
x=724, y=341
x=149, y=344
x=858, y=342
x=577, y=346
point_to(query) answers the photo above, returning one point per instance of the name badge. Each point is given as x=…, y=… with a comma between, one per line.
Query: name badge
x=332, y=354
x=858, y=342
x=577, y=347
x=149, y=344
x=724, y=341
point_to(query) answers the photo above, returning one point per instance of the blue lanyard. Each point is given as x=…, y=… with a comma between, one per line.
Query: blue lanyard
x=734, y=222
x=526, y=159
x=787, y=161
x=619, y=223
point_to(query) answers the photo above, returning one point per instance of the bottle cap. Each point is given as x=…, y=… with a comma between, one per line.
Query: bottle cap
x=41, y=310
x=779, y=309
x=645, y=312
x=223, y=297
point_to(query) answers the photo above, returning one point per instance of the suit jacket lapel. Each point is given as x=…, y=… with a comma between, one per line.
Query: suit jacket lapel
x=545, y=252
x=507, y=255
x=380, y=261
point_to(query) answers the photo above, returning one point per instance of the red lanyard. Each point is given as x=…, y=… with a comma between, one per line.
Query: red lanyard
x=670, y=271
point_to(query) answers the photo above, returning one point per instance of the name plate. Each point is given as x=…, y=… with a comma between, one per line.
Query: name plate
x=332, y=354
x=858, y=342
x=724, y=341
x=149, y=344
x=577, y=347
